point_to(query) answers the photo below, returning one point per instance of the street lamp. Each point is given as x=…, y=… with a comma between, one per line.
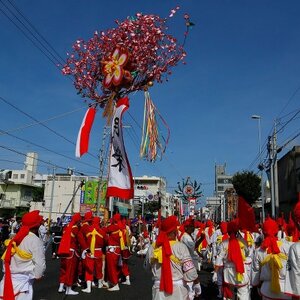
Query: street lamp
x=257, y=117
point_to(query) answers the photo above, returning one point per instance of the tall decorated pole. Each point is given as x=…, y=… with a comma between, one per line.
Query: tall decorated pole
x=114, y=63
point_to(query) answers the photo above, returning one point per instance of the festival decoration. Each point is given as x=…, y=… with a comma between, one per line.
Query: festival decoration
x=120, y=182
x=127, y=58
x=82, y=144
x=189, y=190
x=140, y=43
x=153, y=144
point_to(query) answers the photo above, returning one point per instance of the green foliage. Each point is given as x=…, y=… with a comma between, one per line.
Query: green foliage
x=247, y=185
x=151, y=206
x=38, y=194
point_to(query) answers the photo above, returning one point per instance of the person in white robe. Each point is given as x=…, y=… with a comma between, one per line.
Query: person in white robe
x=24, y=260
x=269, y=263
x=292, y=279
x=232, y=256
x=172, y=266
x=188, y=240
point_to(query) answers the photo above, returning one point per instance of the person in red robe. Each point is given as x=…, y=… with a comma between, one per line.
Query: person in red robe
x=96, y=241
x=113, y=253
x=69, y=251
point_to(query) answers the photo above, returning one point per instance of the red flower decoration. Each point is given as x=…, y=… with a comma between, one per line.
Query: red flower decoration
x=114, y=68
x=98, y=65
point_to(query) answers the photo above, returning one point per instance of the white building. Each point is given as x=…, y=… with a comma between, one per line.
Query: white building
x=151, y=188
x=17, y=187
x=62, y=194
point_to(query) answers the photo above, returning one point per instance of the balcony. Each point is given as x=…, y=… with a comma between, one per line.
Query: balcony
x=12, y=203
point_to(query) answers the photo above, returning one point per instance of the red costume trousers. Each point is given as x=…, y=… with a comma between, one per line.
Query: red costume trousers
x=68, y=269
x=125, y=257
x=93, y=266
x=112, y=265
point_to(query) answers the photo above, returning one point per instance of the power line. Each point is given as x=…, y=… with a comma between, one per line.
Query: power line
x=40, y=123
x=289, y=100
x=289, y=121
x=289, y=141
x=47, y=149
x=28, y=37
x=55, y=58
x=38, y=159
x=38, y=33
x=45, y=121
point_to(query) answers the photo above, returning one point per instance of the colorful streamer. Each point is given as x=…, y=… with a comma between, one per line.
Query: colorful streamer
x=153, y=144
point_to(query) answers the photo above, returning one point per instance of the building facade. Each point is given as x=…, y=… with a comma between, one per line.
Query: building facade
x=223, y=184
x=150, y=188
x=289, y=180
x=17, y=188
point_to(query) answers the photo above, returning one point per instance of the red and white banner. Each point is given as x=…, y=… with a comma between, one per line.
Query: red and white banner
x=120, y=181
x=82, y=145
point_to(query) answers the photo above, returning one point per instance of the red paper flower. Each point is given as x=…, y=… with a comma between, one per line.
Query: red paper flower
x=102, y=65
x=114, y=69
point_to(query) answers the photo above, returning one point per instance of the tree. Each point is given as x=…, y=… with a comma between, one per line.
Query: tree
x=38, y=194
x=151, y=206
x=247, y=185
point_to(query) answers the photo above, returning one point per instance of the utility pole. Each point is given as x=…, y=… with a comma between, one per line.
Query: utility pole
x=52, y=196
x=261, y=167
x=101, y=168
x=273, y=170
x=143, y=206
x=276, y=170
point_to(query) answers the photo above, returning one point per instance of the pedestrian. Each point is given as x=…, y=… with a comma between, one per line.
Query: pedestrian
x=43, y=233
x=145, y=243
x=188, y=240
x=69, y=252
x=24, y=260
x=82, y=239
x=218, y=276
x=232, y=256
x=171, y=264
x=113, y=253
x=93, y=256
x=56, y=232
x=125, y=250
x=292, y=279
x=5, y=230
x=15, y=227
x=269, y=263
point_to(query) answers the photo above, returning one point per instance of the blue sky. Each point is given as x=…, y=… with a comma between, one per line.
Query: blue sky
x=243, y=58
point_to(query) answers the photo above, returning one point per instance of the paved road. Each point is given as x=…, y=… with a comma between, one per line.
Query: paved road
x=141, y=283
x=140, y=288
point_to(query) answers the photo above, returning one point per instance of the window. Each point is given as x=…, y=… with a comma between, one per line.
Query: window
x=22, y=176
x=15, y=176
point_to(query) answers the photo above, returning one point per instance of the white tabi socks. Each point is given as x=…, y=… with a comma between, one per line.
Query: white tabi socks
x=88, y=287
x=69, y=291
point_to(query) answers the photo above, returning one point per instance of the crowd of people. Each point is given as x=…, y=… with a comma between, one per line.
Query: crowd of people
x=263, y=261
